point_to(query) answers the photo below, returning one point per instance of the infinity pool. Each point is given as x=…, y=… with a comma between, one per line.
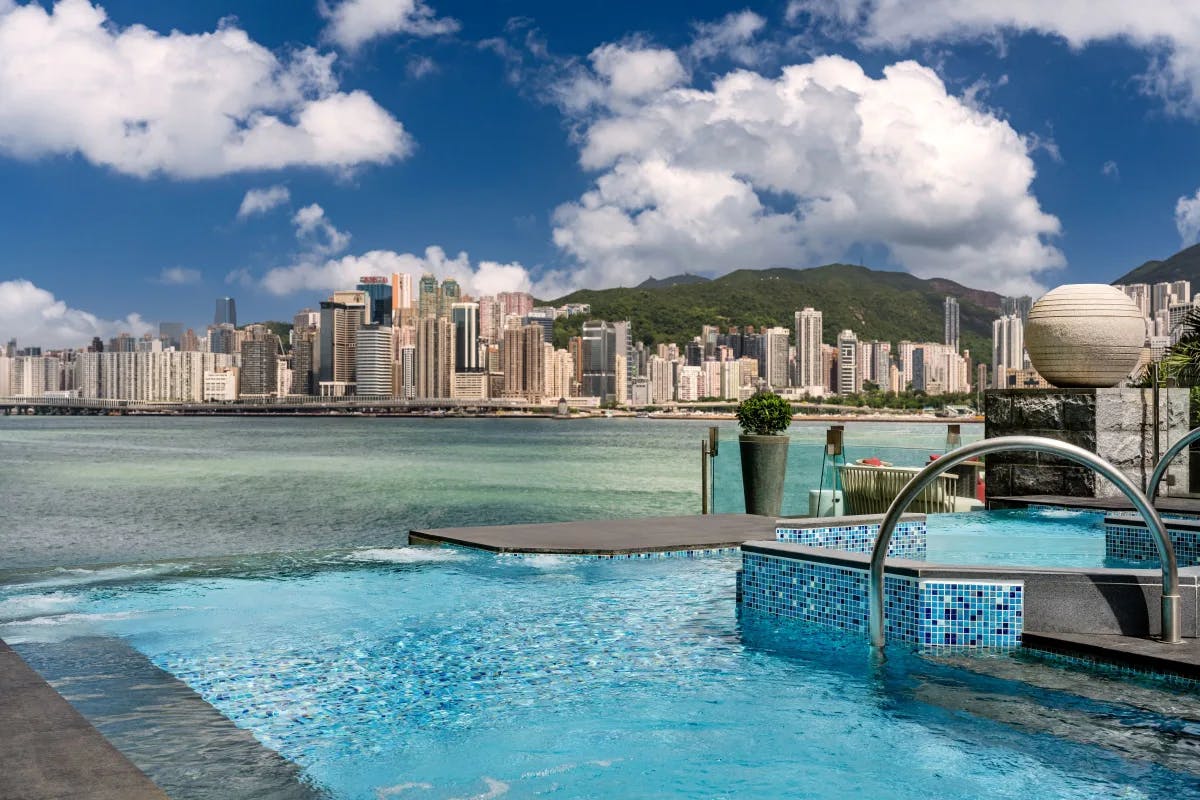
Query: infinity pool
x=444, y=673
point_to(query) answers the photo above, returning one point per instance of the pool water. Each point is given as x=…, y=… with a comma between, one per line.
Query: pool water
x=446, y=673
x=1035, y=537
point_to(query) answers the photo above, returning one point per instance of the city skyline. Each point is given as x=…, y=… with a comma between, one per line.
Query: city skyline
x=528, y=148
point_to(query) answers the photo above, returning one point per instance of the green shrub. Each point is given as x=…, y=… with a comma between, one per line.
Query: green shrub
x=764, y=414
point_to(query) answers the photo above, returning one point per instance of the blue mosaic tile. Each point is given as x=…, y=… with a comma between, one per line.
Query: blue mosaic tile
x=1134, y=543
x=928, y=613
x=908, y=540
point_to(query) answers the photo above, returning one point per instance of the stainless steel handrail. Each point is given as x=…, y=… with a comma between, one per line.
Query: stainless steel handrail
x=1160, y=469
x=1166, y=553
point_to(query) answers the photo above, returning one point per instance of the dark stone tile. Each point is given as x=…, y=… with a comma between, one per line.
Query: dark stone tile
x=1037, y=411
x=1079, y=412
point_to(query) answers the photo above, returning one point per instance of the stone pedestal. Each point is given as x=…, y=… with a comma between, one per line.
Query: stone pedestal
x=1116, y=424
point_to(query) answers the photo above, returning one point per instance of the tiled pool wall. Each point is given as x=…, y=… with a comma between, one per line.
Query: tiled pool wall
x=908, y=539
x=1126, y=537
x=929, y=613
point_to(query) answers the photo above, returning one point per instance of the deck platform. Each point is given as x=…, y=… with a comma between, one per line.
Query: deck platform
x=49, y=751
x=1177, y=505
x=1132, y=652
x=608, y=536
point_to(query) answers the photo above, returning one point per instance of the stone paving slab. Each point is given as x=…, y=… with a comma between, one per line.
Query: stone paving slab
x=1181, y=505
x=609, y=536
x=49, y=751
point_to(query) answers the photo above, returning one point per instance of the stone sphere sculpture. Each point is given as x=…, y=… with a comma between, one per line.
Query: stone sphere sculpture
x=1084, y=335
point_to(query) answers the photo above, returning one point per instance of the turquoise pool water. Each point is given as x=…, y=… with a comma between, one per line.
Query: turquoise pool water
x=1049, y=537
x=443, y=673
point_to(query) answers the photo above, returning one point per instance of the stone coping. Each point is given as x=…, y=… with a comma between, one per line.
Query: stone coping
x=1137, y=522
x=1188, y=576
x=846, y=521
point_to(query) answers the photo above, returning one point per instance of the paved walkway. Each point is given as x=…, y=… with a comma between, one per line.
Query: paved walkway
x=609, y=537
x=49, y=751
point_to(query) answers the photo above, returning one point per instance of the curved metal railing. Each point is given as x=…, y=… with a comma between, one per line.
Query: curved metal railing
x=1166, y=553
x=1160, y=469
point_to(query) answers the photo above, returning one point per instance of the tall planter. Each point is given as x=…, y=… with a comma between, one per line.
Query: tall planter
x=764, y=466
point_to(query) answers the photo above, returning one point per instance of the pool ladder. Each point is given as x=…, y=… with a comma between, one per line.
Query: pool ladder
x=1169, y=608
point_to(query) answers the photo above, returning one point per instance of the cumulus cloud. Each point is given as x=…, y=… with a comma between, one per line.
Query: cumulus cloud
x=36, y=317
x=353, y=23
x=327, y=275
x=1187, y=219
x=315, y=230
x=260, y=201
x=734, y=36
x=183, y=105
x=794, y=170
x=1168, y=29
x=178, y=276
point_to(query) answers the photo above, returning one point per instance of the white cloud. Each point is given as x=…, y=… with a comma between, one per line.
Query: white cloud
x=1187, y=219
x=1168, y=29
x=353, y=23
x=36, y=317
x=1109, y=169
x=314, y=229
x=260, y=201
x=184, y=105
x=178, y=276
x=733, y=36
x=795, y=170
x=420, y=67
x=327, y=275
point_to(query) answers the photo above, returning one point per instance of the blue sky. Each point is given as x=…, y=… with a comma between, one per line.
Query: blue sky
x=157, y=155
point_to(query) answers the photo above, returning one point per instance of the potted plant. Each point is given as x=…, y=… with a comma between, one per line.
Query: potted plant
x=763, y=417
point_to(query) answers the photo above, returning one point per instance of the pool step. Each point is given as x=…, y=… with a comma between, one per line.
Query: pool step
x=1138, y=654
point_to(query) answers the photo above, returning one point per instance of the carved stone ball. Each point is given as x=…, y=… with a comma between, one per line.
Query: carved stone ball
x=1084, y=335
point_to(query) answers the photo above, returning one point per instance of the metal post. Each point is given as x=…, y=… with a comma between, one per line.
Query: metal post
x=1157, y=421
x=1169, y=609
x=1160, y=468
x=704, y=476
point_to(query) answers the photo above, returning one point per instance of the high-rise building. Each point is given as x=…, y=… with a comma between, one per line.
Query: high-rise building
x=849, y=379
x=465, y=317
x=1008, y=348
x=427, y=296
x=226, y=313
x=406, y=373
x=171, y=334
x=809, y=330
x=340, y=321
x=435, y=358
x=304, y=344
x=522, y=354
x=515, y=304
x=627, y=370
x=1018, y=306
x=221, y=339
x=448, y=294
x=1139, y=293
x=260, y=360
x=374, y=360
x=950, y=322
x=777, y=348
x=402, y=296
x=598, y=352
x=379, y=298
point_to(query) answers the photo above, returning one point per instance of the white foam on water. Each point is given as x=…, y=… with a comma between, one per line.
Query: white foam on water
x=35, y=605
x=391, y=791
x=495, y=789
x=54, y=628
x=542, y=561
x=82, y=576
x=405, y=555
x=1059, y=513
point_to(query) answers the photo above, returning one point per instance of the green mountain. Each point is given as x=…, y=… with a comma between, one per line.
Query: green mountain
x=674, y=280
x=1183, y=266
x=876, y=305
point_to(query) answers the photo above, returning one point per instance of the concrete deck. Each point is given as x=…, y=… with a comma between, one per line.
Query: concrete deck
x=1144, y=654
x=607, y=536
x=1178, y=505
x=49, y=751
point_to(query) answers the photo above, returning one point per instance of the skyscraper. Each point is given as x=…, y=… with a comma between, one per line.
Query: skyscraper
x=373, y=360
x=406, y=372
x=402, y=296
x=435, y=357
x=776, y=374
x=950, y=322
x=449, y=294
x=226, y=313
x=340, y=322
x=849, y=380
x=1019, y=306
x=465, y=317
x=260, y=361
x=427, y=296
x=171, y=333
x=1008, y=348
x=304, y=343
x=809, y=330
x=379, y=298
x=598, y=350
